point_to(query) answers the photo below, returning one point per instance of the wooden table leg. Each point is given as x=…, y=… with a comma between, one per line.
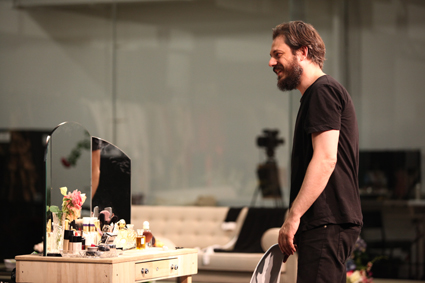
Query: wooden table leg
x=185, y=279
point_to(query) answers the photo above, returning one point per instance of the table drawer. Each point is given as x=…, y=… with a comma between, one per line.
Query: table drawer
x=156, y=269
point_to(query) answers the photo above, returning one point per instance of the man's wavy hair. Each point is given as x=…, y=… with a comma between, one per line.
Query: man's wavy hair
x=298, y=34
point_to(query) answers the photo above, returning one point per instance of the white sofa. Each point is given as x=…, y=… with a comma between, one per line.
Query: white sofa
x=203, y=228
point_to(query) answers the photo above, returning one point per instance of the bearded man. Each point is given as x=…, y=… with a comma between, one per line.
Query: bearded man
x=324, y=218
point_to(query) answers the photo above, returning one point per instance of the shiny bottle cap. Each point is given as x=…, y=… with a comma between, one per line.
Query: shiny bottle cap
x=146, y=225
x=68, y=234
x=76, y=239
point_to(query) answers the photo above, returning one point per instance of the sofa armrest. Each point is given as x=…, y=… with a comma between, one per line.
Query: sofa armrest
x=268, y=239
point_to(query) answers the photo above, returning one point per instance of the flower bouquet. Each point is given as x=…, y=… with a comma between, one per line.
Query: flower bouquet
x=72, y=203
x=359, y=265
x=71, y=210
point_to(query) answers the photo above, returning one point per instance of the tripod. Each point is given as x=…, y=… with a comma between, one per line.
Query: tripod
x=268, y=182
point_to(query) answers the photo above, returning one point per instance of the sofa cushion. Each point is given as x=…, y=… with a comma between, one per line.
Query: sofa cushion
x=257, y=221
x=188, y=226
x=229, y=261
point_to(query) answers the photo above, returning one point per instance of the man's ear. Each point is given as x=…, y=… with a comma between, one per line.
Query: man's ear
x=302, y=53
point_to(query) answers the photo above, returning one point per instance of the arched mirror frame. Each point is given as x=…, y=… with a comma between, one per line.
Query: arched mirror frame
x=71, y=157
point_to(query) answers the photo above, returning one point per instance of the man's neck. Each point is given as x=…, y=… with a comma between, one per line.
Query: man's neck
x=310, y=74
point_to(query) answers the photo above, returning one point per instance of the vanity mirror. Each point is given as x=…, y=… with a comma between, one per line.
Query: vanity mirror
x=93, y=166
x=111, y=179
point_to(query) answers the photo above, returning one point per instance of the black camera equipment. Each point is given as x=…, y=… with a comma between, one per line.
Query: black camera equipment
x=268, y=172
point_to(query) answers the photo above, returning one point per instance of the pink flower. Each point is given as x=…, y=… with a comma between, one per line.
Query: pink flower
x=72, y=203
x=77, y=201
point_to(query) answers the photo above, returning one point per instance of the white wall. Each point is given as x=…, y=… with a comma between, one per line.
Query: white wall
x=387, y=63
x=192, y=86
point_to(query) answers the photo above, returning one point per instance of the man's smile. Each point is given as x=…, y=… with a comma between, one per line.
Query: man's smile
x=278, y=70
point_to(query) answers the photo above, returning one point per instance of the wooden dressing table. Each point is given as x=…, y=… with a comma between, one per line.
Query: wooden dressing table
x=131, y=266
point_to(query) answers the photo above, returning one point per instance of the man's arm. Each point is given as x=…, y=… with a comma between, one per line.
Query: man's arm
x=319, y=170
x=95, y=171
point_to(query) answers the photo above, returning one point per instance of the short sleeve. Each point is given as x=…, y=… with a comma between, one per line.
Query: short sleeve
x=324, y=111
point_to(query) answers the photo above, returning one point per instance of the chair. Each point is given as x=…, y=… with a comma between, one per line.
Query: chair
x=269, y=267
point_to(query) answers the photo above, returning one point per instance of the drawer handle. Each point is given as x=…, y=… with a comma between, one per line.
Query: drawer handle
x=175, y=267
x=144, y=271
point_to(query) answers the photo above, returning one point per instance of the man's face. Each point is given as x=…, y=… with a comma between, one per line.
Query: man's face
x=285, y=65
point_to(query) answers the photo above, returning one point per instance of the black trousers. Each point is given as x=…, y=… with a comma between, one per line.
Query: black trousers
x=323, y=251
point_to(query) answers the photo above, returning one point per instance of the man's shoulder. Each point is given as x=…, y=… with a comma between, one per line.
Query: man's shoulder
x=327, y=80
x=328, y=84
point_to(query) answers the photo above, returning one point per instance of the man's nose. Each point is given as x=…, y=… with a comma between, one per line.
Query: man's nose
x=272, y=62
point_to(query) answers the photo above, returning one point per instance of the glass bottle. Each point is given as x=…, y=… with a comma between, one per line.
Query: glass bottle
x=121, y=239
x=147, y=233
x=140, y=240
x=131, y=236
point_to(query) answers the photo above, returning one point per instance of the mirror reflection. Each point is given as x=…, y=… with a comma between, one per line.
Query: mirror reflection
x=68, y=164
x=111, y=179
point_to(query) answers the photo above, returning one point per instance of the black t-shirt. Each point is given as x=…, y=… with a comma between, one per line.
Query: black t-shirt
x=326, y=105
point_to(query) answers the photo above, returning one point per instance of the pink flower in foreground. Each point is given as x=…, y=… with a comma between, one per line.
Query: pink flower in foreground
x=72, y=203
x=77, y=201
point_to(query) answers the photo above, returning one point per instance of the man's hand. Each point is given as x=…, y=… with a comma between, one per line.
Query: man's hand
x=286, y=236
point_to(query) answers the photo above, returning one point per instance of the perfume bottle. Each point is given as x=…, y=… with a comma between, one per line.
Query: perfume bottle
x=131, y=236
x=86, y=232
x=121, y=239
x=147, y=233
x=140, y=240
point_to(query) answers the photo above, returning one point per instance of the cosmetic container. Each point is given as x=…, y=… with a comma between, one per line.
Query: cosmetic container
x=78, y=224
x=104, y=248
x=131, y=237
x=91, y=251
x=91, y=224
x=75, y=244
x=86, y=222
x=147, y=233
x=67, y=235
x=140, y=240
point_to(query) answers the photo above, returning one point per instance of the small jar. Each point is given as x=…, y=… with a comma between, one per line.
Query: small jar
x=75, y=244
x=91, y=251
x=103, y=248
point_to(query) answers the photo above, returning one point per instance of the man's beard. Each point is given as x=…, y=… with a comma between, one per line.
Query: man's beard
x=293, y=76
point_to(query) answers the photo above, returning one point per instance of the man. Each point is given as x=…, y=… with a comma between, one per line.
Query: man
x=324, y=219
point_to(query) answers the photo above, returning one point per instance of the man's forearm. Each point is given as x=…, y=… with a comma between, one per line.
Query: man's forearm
x=319, y=170
x=315, y=180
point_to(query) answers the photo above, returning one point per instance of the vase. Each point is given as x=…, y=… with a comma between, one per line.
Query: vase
x=56, y=239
